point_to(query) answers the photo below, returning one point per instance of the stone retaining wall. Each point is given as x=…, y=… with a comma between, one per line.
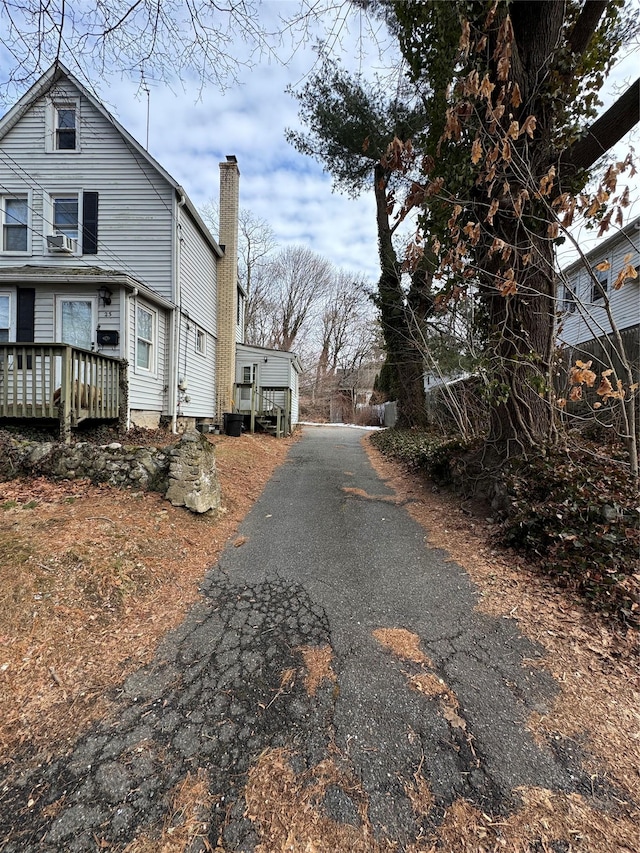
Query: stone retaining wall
x=184, y=472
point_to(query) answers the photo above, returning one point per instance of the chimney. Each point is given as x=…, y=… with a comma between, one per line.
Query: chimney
x=227, y=285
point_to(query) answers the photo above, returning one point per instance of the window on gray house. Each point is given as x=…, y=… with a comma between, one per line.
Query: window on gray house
x=144, y=338
x=65, y=128
x=65, y=215
x=600, y=286
x=568, y=299
x=5, y=317
x=15, y=225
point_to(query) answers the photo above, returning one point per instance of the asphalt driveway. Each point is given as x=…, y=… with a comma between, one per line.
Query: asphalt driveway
x=328, y=561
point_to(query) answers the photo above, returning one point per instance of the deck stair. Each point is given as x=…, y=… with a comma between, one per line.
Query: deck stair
x=268, y=408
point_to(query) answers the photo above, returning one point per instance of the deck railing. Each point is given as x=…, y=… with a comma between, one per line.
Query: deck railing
x=273, y=402
x=58, y=381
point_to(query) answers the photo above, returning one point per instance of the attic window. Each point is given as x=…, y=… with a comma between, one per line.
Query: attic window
x=66, y=128
x=63, y=126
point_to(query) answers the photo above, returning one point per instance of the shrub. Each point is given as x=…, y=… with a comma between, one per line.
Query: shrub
x=579, y=519
x=576, y=514
x=421, y=451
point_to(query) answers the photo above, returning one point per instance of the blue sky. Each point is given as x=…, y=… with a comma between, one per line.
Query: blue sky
x=191, y=130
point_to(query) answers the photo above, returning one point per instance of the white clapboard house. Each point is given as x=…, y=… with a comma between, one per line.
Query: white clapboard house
x=591, y=286
x=116, y=302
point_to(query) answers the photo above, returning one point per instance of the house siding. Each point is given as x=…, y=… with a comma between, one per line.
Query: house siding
x=589, y=319
x=147, y=388
x=136, y=204
x=199, y=373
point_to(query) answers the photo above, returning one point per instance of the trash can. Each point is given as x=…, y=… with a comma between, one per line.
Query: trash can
x=233, y=423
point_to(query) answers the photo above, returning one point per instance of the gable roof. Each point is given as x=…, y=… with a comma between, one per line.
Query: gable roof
x=631, y=228
x=44, y=85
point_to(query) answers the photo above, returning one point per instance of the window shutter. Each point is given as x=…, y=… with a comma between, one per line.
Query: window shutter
x=25, y=319
x=89, y=223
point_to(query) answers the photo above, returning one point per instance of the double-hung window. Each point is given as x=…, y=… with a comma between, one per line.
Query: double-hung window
x=600, y=286
x=63, y=126
x=65, y=215
x=145, y=323
x=15, y=223
x=569, y=299
x=66, y=130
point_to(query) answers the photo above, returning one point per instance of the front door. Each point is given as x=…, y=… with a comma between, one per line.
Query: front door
x=76, y=318
x=76, y=321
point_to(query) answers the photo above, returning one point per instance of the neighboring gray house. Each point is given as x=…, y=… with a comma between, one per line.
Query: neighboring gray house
x=115, y=299
x=584, y=329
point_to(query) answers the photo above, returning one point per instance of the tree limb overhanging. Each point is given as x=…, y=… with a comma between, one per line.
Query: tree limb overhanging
x=606, y=132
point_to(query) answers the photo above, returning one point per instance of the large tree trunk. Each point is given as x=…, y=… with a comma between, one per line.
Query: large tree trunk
x=521, y=325
x=520, y=345
x=404, y=355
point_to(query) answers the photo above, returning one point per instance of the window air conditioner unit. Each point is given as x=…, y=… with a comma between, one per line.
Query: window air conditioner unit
x=61, y=244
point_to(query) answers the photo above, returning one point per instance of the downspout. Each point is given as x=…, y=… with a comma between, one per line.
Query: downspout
x=126, y=326
x=177, y=314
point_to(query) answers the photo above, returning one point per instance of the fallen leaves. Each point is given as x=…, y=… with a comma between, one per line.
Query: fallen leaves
x=93, y=577
x=317, y=661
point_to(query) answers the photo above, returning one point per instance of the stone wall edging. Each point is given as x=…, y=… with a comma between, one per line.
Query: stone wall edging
x=193, y=483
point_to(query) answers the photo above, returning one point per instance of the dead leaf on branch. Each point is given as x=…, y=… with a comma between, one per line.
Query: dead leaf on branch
x=529, y=126
x=465, y=37
x=486, y=87
x=581, y=374
x=625, y=273
x=476, y=151
x=546, y=183
x=493, y=209
x=516, y=97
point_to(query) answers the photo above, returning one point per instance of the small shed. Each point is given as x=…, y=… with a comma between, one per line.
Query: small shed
x=267, y=388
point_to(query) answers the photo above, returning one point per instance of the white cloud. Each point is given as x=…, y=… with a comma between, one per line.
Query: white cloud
x=191, y=132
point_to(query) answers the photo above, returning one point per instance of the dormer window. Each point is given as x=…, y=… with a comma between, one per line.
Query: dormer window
x=66, y=128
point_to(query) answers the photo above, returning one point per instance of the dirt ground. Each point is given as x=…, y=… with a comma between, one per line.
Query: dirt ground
x=94, y=576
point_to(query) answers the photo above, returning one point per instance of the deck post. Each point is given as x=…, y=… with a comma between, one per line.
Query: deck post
x=64, y=411
x=287, y=411
x=252, y=426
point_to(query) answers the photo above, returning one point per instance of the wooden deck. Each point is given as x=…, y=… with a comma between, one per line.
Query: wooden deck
x=267, y=407
x=45, y=381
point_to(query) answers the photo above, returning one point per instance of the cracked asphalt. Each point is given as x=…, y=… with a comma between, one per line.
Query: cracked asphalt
x=323, y=564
